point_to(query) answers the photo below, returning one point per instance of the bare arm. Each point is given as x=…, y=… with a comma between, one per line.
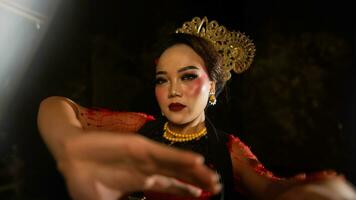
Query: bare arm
x=98, y=163
x=253, y=179
x=60, y=119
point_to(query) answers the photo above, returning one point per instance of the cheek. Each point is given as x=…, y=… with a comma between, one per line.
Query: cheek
x=161, y=93
x=198, y=87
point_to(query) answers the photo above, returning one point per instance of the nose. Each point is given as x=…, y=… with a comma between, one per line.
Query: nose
x=174, y=90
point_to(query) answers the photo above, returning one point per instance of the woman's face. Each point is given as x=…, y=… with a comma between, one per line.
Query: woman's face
x=182, y=84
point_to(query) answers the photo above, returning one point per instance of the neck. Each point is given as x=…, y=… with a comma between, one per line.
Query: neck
x=191, y=127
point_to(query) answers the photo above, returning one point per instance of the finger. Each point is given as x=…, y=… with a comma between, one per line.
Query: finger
x=169, y=185
x=155, y=158
x=172, y=156
x=339, y=186
x=183, y=165
x=310, y=192
x=124, y=179
x=102, y=147
x=319, y=193
x=126, y=148
x=151, y=158
x=200, y=176
x=135, y=174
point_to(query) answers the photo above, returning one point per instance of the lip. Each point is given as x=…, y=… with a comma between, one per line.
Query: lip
x=175, y=107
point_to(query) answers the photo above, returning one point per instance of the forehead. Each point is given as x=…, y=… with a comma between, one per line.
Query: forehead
x=178, y=56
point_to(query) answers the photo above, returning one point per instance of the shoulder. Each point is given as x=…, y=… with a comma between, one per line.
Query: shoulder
x=237, y=147
x=98, y=118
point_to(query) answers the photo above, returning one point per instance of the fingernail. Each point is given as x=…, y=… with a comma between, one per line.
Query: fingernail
x=196, y=192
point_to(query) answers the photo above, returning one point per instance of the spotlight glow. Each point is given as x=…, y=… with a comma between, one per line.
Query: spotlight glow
x=23, y=23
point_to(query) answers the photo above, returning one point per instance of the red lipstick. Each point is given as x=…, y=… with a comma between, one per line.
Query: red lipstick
x=176, y=107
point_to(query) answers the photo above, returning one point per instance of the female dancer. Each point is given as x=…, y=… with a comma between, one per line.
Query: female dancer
x=100, y=159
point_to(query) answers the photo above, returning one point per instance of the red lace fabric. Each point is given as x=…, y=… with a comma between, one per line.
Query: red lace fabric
x=103, y=119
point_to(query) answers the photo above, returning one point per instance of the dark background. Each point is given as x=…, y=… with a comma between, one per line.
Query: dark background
x=295, y=106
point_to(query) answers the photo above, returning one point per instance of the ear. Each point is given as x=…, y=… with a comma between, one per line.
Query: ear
x=212, y=87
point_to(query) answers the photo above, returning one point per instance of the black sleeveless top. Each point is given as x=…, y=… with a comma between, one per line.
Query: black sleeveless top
x=213, y=146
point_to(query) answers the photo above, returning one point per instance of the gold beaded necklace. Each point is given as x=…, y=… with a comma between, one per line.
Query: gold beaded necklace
x=181, y=137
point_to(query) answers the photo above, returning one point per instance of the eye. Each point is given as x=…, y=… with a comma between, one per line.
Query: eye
x=187, y=77
x=160, y=81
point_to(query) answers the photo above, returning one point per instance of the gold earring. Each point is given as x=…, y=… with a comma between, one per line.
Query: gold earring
x=162, y=113
x=212, y=98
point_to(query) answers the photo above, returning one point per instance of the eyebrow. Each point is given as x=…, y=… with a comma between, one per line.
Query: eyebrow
x=188, y=68
x=180, y=70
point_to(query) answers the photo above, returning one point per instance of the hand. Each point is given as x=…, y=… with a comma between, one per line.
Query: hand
x=107, y=166
x=335, y=188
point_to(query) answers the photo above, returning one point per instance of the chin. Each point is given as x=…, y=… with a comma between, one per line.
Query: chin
x=177, y=119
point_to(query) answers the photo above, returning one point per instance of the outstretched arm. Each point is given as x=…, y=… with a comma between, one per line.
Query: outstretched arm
x=60, y=119
x=253, y=179
x=98, y=163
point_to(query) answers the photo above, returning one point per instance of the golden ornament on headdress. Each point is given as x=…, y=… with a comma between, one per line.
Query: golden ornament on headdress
x=236, y=48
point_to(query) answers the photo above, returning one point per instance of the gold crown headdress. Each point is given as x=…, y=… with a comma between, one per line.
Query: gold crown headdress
x=236, y=48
